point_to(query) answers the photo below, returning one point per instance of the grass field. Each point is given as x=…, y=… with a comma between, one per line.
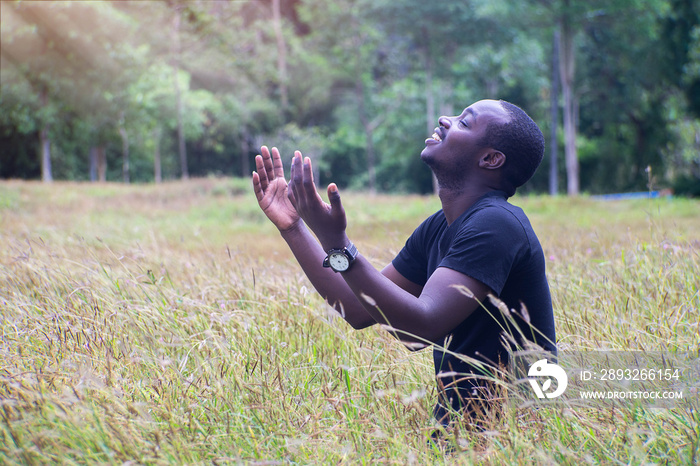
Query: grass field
x=169, y=324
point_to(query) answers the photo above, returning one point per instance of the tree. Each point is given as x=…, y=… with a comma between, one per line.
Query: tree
x=347, y=31
x=68, y=55
x=566, y=75
x=32, y=60
x=360, y=82
x=281, y=53
x=554, y=110
x=680, y=65
x=436, y=47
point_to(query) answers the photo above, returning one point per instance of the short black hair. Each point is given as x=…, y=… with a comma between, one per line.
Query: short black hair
x=521, y=141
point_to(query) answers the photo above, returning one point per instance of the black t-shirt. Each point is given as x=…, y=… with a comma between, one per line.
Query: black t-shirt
x=494, y=243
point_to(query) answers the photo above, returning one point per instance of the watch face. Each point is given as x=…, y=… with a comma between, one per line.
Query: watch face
x=339, y=261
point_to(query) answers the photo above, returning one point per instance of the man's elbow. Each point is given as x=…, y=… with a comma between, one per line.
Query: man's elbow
x=359, y=323
x=411, y=341
x=413, y=346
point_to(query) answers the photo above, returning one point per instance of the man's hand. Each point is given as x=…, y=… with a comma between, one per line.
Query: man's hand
x=327, y=221
x=272, y=192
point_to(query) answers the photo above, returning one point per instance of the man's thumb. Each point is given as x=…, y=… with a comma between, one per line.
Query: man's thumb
x=334, y=196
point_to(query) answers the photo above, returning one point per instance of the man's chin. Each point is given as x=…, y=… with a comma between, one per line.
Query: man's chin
x=425, y=153
x=428, y=158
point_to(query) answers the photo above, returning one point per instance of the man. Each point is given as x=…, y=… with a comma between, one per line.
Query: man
x=437, y=290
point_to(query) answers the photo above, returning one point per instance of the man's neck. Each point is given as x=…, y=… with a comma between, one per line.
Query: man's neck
x=457, y=201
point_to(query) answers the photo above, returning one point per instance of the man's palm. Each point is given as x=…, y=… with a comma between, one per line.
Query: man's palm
x=271, y=190
x=277, y=206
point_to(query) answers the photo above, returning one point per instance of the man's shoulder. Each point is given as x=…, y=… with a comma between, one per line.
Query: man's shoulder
x=496, y=210
x=434, y=221
x=501, y=221
x=437, y=216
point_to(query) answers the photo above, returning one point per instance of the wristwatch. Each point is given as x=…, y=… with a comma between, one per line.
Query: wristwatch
x=340, y=260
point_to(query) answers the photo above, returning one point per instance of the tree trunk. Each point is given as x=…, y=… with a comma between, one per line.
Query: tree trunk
x=101, y=153
x=430, y=116
x=45, y=149
x=182, y=149
x=45, y=143
x=554, y=111
x=281, y=54
x=446, y=102
x=492, y=87
x=125, y=153
x=93, y=164
x=157, y=172
x=369, y=136
x=371, y=160
x=566, y=68
x=245, y=149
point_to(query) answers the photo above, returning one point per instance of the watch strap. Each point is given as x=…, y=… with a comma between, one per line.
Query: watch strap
x=350, y=251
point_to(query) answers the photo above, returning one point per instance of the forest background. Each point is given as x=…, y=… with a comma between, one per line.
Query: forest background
x=143, y=91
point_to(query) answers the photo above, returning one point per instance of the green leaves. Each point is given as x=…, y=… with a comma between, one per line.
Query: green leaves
x=374, y=73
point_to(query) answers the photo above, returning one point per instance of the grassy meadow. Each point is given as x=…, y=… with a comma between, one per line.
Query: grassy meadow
x=170, y=325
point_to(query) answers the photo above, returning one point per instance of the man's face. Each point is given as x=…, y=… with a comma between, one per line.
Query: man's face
x=456, y=144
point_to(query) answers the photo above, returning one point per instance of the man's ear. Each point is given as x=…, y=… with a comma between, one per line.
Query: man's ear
x=492, y=159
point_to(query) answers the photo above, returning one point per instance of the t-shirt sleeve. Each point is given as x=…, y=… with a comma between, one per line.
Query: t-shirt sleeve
x=487, y=246
x=412, y=260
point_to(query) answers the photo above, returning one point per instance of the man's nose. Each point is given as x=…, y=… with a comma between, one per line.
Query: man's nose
x=444, y=121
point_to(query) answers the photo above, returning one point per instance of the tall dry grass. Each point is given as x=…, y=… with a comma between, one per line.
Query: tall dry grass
x=169, y=324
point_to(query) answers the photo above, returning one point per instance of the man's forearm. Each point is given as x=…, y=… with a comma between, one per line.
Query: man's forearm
x=382, y=299
x=330, y=285
x=388, y=303
x=425, y=315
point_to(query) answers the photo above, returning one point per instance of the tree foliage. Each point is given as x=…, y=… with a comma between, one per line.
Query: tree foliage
x=124, y=90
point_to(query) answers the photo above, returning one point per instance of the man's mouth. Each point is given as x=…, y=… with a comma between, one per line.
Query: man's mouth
x=437, y=134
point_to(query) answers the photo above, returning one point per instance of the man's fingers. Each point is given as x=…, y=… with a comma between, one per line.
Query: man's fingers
x=262, y=175
x=334, y=198
x=267, y=161
x=309, y=185
x=292, y=186
x=297, y=175
x=257, y=187
x=277, y=167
